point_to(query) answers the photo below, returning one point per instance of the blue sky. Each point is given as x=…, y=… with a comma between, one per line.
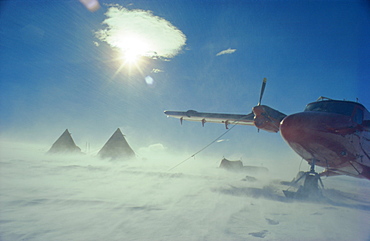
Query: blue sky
x=55, y=73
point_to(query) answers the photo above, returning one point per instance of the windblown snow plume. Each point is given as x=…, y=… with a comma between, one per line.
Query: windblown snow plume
x=80, y=197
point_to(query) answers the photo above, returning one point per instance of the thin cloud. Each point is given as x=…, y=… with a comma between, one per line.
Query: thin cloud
x=125, y=28
x=156, y=71
x=226, y=51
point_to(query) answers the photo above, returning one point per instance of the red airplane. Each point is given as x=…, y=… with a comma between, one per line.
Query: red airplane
x=332, y=134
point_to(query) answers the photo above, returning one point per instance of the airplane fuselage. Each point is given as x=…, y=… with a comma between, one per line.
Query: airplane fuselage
x=333, y=134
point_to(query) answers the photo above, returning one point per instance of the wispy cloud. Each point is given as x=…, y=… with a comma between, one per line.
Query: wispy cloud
x=226, y=51
x=156, y=71
x=152, y=36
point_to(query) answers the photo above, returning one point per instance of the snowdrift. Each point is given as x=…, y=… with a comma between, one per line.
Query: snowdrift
x=83, y=198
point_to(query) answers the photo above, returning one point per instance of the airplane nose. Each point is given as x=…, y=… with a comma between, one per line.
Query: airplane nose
x=312, y=125
x=294, y=127
x=302, y=132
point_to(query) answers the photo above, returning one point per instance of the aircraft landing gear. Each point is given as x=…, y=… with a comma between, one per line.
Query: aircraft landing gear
x=310, y=188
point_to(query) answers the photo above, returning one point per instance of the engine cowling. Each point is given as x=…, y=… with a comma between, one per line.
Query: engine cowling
x=267, y=118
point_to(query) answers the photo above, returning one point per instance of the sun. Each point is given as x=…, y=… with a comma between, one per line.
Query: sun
x=131, y=57
x=133, y=48
x=134, y=51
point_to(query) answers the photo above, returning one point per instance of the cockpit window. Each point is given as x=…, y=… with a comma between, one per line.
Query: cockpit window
x=343, y=108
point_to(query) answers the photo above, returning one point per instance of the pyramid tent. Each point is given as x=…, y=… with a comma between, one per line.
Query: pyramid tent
x=64, y=144
x=116, y=147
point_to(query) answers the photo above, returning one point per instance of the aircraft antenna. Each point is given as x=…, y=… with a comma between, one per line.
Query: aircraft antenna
x=262, y=90
x=323, y=98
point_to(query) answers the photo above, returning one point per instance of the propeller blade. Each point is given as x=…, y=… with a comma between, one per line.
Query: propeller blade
x=262, y=90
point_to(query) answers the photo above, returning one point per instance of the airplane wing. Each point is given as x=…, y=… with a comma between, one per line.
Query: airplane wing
x=192, y=115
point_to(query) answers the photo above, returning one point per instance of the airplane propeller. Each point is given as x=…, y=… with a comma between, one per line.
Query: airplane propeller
x=262, y=90
x=261, y=94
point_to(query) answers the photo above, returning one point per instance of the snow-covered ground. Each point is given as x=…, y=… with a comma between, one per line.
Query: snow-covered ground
x=83, y=198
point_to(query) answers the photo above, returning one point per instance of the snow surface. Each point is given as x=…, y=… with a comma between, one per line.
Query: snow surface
x=45, y=197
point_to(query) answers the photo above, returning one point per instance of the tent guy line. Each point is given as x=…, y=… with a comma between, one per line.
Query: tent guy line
x=205, y=147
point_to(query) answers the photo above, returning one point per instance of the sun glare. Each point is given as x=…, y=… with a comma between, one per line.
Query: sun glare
x=133, y=48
